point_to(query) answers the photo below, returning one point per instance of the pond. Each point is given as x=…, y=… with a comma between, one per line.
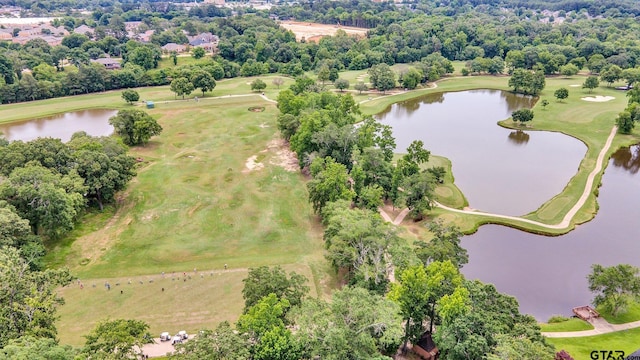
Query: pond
x=94, y=122
x=498, y=170
x=548, y=275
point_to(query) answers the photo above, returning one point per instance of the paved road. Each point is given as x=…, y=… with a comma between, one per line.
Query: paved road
x=600, y=326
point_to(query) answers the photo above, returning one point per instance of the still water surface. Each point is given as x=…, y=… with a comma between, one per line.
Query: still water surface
x=498, y=170
x=548, y=274
x=94, y=122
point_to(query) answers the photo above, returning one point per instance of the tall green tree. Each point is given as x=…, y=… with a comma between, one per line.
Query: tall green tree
x=330, y=183
x=117, y=339
x=130, y=96
x=204, y=81
x=418, y=193
x=182, y=86
x=522, y=115
x=561, y=94
x=444, y=245
x=356, y=324
x=50, y=201
x=135, y=126
x=382, y=77
x=263, y=281
x=223, y=343
x=591, y=83
x=29, y=298
x=35, y=348
x=614, y=286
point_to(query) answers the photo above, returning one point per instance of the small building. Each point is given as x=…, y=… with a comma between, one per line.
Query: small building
x=84, y=30
x=426, y=348
x=108, y=63
x=150, y=104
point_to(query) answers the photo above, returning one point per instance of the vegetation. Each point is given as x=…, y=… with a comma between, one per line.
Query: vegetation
x=135, y=127
x=614, y=286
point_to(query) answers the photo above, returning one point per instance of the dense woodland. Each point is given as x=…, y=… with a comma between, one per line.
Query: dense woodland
x=45, y=185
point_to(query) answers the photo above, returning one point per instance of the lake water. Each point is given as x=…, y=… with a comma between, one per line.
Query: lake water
x=94, y=122
x=499, y=170
x=512, y=172
x=548, y=275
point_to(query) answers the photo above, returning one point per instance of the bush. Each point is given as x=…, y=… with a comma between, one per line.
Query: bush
x=562, y=355
x=557, y=319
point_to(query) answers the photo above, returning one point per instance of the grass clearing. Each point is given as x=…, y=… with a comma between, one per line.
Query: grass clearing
x=581, y=348
x=632, y=314
x=572, y=324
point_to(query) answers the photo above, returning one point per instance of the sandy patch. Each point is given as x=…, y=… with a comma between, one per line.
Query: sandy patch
x=252, y=164
x=315, y=31
x=598, y=98
x=284, y=157
x=575, y=85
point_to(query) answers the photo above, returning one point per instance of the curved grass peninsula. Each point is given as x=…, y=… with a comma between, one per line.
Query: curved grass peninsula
x=591, y=122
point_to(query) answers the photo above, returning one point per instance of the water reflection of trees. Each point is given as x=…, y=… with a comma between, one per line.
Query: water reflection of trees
x=519, y=137
x=628, y=158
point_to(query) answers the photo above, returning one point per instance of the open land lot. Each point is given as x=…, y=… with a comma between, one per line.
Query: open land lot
x=314, y=30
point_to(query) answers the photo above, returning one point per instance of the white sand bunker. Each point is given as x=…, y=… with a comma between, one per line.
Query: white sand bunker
x=252, y=164
x=575, y=85
x=598, y=98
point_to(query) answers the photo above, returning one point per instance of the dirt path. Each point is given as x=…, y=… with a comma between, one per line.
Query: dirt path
x=566, y=221
x=600, y=326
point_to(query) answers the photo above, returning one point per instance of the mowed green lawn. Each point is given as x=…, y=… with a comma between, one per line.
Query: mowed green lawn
x=581, y=348
x=203, y=300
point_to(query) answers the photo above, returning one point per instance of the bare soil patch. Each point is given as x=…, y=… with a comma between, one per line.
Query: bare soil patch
x=314, y=30
x=284, y=157
x=252, y=164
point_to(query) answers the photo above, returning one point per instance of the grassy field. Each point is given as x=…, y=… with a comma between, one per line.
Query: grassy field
x=581, y=348
x=573, y=324
x=171, y=303
x=632, y=314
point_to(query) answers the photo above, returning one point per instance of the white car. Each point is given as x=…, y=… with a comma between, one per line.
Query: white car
x=183, y=334
x=165, y=336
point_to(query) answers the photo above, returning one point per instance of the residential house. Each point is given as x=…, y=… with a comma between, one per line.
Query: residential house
x=84, y=30
x=171, y=47
x=109, y=63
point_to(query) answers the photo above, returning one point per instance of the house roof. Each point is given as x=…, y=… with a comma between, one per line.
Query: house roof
x=106, y=61
x=173, y=46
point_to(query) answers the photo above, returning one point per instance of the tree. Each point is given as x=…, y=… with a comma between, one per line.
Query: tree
x=323, y=74
x=198, y=53
x=382, y=77
x=419, y=290
x=517, y=348
x=267, y=313
x=418, y=193
x=277, y=344
x=544, y=104
x=49, y=200
x=361, y=86
x=135, y=127
x=631, y=76
x=278, y=82
x=614, y=286
x=612, y=74
x=203, y=80
x=522, y=115
x=34, y=348
x=130, y=96
x=591, y=83
x=117, y=339
x=341, y=84
x=145, y=56
x=358, y=241
x=258, y=85
x=330, y=183
x=569, y=70
x=223, y=343
x=355, y=324
x=561, y=94
x=444, y=245
x=527, y=82
x=174, y=58
x=181, y=86
x=263, y=281
x=29, y=298
x=411, y=78
x=625, y=122
x=104, y=165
